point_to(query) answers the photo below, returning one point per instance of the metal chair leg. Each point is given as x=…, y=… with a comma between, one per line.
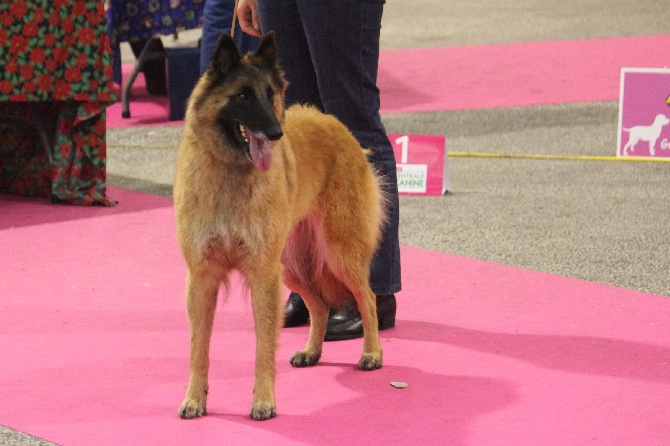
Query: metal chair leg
x=145, y=55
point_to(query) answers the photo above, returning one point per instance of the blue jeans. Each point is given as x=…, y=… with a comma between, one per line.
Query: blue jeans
x=329, y=50
x=217, y=19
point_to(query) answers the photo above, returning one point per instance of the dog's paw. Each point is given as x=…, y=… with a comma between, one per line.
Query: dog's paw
x=370, y=361
x=263, y=411
x=304, y=359
x=192, y=409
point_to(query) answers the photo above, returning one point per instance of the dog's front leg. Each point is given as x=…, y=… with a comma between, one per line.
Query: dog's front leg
x=652, y=146
x=201, y=292
x=266, y=301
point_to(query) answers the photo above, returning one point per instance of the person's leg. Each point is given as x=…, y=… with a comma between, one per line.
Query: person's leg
x=345, y=54
x=283, y=17
x=217, y=19
x=333, y=64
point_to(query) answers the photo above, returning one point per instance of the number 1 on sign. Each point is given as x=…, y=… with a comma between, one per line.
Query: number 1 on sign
x=404, y=147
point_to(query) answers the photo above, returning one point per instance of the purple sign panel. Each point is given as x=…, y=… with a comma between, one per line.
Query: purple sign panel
x=644, y=113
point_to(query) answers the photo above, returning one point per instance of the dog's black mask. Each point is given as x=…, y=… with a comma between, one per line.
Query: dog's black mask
x=248, y=119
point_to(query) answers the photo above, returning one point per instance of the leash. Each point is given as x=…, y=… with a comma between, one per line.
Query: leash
x=232, y=28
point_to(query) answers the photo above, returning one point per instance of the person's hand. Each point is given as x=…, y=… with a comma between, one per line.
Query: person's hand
x=247, y=14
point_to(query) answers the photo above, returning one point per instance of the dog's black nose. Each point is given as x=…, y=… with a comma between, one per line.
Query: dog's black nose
x=275, y=135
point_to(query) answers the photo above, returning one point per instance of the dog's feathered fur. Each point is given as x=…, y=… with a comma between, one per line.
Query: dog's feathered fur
x=273, y=194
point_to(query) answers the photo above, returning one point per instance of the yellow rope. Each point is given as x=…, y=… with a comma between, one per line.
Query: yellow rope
x=475, y=155
x=232, y=28
x=557, y=157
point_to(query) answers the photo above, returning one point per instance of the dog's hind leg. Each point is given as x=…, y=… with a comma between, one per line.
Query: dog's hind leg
x=353, y=272
x=318, y=321
x=629, y=145
x=201, y=293
x=266, y=301
x=303, y=266
x=367, y=306
x=350, y=239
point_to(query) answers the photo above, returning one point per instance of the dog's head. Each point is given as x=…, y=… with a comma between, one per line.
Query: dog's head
x=661, y=120
x=244, y=97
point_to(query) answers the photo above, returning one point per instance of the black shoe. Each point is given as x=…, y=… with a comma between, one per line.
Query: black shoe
x=295, y=311
x=347, y=323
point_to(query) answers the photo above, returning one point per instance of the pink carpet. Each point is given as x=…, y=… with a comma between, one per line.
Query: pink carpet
x=94, y=348
x=518, y=74
x=480, y=76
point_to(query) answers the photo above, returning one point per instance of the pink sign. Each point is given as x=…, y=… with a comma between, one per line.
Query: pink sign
x=422, y=164
x=644, y=113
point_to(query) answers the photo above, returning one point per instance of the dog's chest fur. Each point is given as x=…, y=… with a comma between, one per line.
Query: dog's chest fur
x=239, y=212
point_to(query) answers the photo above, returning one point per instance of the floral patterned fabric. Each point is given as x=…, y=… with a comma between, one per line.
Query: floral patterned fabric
x=76, y=131
x=56, y=63
x=140, y=20
x=54, y=50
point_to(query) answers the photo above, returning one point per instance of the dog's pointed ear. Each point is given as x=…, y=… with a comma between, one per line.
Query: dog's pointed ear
x=265, y=57
x=266, y=52
x=225, y=57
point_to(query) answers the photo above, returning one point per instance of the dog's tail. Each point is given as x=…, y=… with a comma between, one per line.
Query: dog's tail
x=384, y=185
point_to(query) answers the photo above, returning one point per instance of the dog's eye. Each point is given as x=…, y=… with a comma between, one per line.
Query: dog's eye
x=270, y=93
x=243, y=95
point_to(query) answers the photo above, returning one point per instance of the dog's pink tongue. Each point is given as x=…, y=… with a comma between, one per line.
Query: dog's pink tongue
x=261, y=155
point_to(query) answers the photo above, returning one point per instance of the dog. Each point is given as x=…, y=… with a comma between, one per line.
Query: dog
x=649, y=133
x=276, y=195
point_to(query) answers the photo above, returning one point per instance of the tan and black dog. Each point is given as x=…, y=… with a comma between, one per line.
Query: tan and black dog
x=274, y=194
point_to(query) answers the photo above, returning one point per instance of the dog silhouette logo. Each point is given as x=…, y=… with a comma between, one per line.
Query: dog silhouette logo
x=647, y=133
